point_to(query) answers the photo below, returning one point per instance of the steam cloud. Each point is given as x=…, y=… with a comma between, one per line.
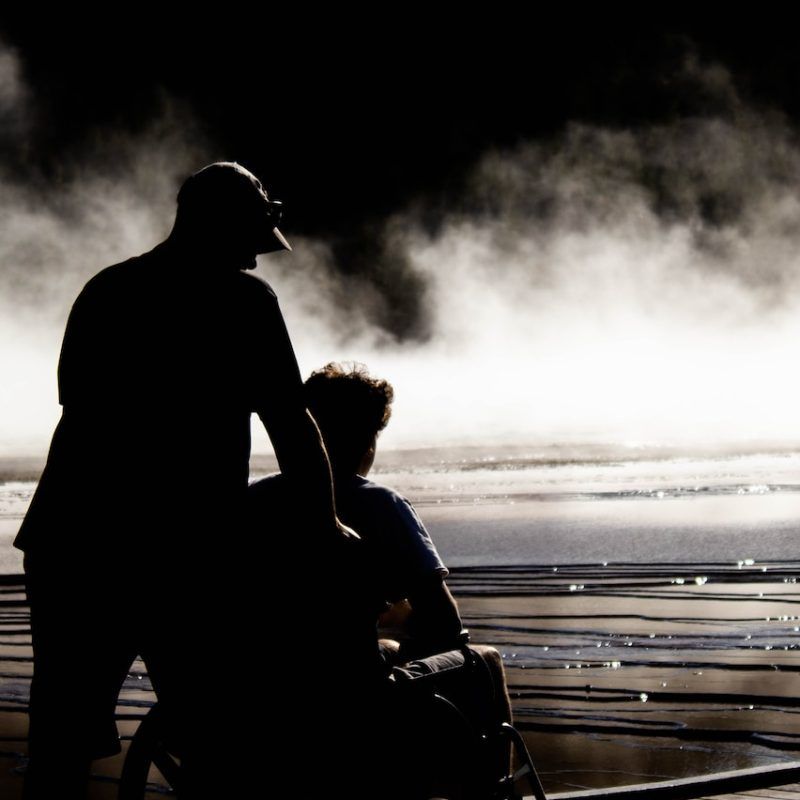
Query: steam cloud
x=622, y=285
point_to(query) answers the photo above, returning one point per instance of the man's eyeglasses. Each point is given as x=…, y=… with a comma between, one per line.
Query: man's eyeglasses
x=275, y=210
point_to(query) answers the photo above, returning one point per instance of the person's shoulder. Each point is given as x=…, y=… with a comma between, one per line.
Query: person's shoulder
x=266, y=487
x=256, y=297
x=265, y=484
x=363, y=485
x=119, y=275
x=267, y=497
x=111, y=276
x=256, y=285
x=394, y=522
x=379, y=494
x=103, y=292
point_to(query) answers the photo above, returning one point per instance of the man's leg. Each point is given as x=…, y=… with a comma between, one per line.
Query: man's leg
x=502, y=702
x=494, y=664
x=193, y=662
x=79, y=663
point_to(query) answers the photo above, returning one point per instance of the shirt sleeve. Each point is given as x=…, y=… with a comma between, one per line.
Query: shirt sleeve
x=83, y=366
x=277, y=385
x=422, y=553
x=411, y=552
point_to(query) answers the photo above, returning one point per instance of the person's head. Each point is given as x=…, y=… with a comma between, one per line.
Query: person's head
x=351, y=408
x=225, y=215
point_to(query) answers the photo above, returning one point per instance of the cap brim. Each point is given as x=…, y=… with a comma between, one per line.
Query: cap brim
x=272, y=241
x=281, y=238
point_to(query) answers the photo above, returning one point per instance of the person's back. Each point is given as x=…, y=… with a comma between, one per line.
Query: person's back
x=158, y=378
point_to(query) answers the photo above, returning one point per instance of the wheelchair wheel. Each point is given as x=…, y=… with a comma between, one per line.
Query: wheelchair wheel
x=448, y=707
x=148, y=748
x=478, y=770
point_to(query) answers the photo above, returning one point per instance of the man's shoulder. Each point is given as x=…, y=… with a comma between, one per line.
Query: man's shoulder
x=374, y=489
x=268, y=499
x=256, y=297
x=378, y=496
x=266, y=488
x=262, y=484
x=157, y=265
x=256, y=285
x=389, y=520
x=121, y=275
x=107, y=291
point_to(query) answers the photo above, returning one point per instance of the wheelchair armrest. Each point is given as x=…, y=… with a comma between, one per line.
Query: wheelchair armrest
x=409, y=651
x=462, y=644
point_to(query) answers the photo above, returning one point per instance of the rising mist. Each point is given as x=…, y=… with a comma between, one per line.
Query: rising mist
x=608, y=285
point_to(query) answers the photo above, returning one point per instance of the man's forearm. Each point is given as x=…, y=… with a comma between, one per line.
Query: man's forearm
x=303, y=460
x=434, y=622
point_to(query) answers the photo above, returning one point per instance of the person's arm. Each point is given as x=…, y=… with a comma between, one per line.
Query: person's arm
x=84, y=363
x=292, y=430
x=427, y=618
x=433, y=624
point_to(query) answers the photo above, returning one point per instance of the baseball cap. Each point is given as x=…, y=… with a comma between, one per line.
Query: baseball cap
x=227, y=191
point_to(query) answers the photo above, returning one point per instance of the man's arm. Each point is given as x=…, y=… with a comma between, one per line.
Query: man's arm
x=434, y=623
x=302, y=458
x=292, y=430
x=428, y=618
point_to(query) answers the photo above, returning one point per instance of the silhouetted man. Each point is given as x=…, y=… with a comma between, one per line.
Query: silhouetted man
x=128, y=536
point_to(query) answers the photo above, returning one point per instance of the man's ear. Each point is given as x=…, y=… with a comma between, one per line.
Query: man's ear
x=368, y=458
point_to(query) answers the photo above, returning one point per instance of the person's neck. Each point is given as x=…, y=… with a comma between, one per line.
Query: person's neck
x=344, y=477
x=196, y=254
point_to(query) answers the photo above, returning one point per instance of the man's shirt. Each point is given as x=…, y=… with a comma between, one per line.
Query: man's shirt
x=161, y=365
x=399, y=552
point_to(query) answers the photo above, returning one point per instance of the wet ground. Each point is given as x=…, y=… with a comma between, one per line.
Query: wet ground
x=619, y=674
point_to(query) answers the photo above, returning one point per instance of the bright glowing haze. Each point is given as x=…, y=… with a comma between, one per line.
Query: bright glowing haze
x=628, y=285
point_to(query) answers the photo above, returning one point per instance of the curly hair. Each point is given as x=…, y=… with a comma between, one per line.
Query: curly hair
x=350, y=407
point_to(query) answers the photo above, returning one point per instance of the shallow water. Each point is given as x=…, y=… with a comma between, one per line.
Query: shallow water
x=558, y=504
x=645, y=603
x=628, y=673
x=618, y=674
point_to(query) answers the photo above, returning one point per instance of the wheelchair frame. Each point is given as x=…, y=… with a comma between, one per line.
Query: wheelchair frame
x=149, y=748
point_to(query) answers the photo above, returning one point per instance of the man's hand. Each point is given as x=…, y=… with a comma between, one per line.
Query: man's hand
x=345, y=531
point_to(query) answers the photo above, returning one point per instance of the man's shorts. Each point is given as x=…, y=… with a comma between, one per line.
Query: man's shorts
x=82, y=651
x=431, y=741
x=88, y=625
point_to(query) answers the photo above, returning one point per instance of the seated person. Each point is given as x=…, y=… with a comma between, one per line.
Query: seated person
x=395, y=565
x=351, y=408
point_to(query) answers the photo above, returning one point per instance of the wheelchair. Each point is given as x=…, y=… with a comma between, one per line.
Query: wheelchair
x=451, y=691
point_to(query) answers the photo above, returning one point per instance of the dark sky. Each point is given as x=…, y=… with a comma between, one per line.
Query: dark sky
x=347, y=118
x=376, y=111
